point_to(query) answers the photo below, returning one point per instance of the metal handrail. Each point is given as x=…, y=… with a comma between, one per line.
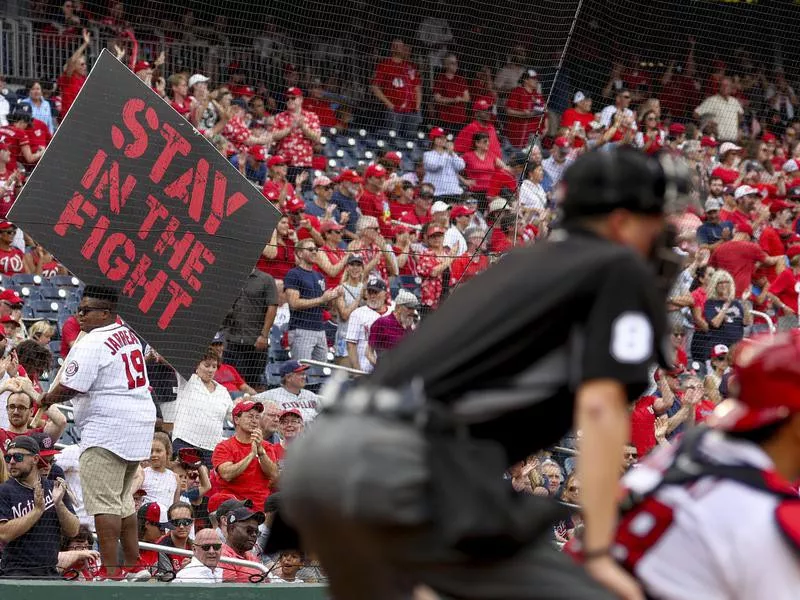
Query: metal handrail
x=766, y=317
x=319, y=363
x=222, y=559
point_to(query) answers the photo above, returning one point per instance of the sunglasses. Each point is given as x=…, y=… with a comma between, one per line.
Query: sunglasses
x=631, y=455
x=207, y=547
x=87, y=309
x=573, y=488
x=17, y=457
x=180, y=522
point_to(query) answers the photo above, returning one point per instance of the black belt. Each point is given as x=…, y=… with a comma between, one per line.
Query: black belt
x=407, y=403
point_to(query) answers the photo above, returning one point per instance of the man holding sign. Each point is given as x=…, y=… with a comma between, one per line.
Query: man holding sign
x=105, y=376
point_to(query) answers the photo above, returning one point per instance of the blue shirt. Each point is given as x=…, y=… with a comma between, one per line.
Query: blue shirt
x=38, y=548
x=311, y=285
x=312, y=208
x=43, y=112
x=732, y=329
x=348, y=205
x=258, y=175
x=711, y=233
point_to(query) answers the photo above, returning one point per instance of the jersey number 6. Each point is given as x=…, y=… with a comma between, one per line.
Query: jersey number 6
x=134, y=369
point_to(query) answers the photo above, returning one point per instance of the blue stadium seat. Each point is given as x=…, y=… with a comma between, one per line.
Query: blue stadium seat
x=272, y=377
x=46, y=309
x=55, y=348
x=65, y=281
x=20, y=279
x=48, y=292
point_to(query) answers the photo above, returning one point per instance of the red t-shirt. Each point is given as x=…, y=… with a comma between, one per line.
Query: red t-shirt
x=398, y=81
x=182, y=108
x=279, y=266
x=376, y=205
x=479, y=170
x=398, y=209
x=739, y=259
x=771, y=242
x=572, y=116
x=15, y=139
x=465, y=267
x=38, y=135
x=783, y=288
x=11, y=261
x=236, y=573
x=499, y=242
x=321, y=108
x=302, y=232
x=453, y=114
x=272, y=190
x=703, y=410
x=252, y=484
x=6, y=436
x=70, y=331
x=501, y=179
x=296, y=148
x=463, y=141
x=70, y=85
x=335, y=256
x=229, y=378
x=643, y=425
x=519, y=129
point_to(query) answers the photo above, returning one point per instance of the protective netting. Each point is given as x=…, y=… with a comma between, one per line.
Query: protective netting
x=409, y=145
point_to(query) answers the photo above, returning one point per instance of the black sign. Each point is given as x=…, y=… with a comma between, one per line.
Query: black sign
x=129, y=194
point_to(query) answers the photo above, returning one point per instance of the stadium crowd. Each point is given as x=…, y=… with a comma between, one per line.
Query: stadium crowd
x=380, y=223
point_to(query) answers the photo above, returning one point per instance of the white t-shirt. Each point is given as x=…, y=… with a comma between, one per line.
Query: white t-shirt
x=361, y=319
x=114, y=409
x=308, y=403
x=453, y=238
x=607, y=114
x=160, y=487
x=68, y=460
x=200, y=414
x=725, y=112
x=532, y=195
x=197, y=572
x=723, y=542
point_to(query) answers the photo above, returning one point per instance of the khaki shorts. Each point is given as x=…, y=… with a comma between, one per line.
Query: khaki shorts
x=106, y=481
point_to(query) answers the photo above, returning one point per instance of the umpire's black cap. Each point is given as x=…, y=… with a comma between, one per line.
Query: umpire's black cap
x=602, y=181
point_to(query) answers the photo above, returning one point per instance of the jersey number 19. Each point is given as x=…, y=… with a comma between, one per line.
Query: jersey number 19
x=134, y=368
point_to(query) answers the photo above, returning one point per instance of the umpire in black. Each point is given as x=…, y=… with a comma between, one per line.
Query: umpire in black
x=399, y=483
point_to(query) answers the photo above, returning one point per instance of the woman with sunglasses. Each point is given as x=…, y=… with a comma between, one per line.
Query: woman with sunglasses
x=651, y=137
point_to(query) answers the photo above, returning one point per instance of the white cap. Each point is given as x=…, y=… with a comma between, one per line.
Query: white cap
x=405, y=298
x=440, y=206
x=498, y=204
x=727, y=147
x=713, y=204
x=745, y=190
x=790, y=166
x=197, y=78
x=578, y=97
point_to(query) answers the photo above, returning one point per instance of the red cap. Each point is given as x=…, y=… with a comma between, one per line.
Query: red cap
x=142, y=65
x=677, y=129
x=708, y=142
x=348, y=175
x=392, y=157
x=744, y=228
x=294, y=92
x=768, y=137
x=291, y=411
x=189, y=456
x=435, y=133
x=258, y=152
x=11, y=297
x=561, y=142
x=435, y=230
x=481, y=104
x=217, y=499
x=276, y=160
x=330, y=226
x=793, y=251
x=778, y=206
x=461, y=211
x=245, y=406
x=153, y=514
x=294, y=205
x=719, y=350
x=4, y=224
x=768, y=381
x=375, y=171
x=9, y=319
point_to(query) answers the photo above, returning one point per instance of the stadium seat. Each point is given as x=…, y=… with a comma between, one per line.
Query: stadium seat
x=65, y=281
x=27, y=312
x=48, y=292
x=22, y=279
x=272, y=377
x=46, y=309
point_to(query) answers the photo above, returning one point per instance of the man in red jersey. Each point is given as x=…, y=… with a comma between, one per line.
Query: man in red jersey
x=481, y=124
x=397, y=85
x=373, y=202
